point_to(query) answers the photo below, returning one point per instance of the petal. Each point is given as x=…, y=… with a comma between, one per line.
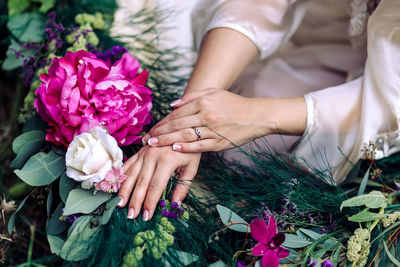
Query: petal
x=283, y=252
x=277, y=240
x=259, y=249
x=270, y=259
x=272, y=229
x=259, y=231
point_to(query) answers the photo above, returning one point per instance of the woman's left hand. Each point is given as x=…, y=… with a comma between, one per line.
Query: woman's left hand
x=210, y=120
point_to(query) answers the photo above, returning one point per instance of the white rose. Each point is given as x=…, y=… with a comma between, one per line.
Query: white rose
x=91, y=155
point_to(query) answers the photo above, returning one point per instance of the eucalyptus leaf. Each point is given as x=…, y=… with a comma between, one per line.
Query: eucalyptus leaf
x=291, y=258
x=313, y=235
x=27, y=27
x=12, y=60
x=81, y=243
x=366, y=216
x=364, y=182
x=84, y=201
x=373, y=200
x=17, y=6
x=42, y=169
x=232, y=220
x=49, y=201
x=184, y=257
x=55, y=225
x=27, y=137
x=110, y=207
x=11, y=221
x=56, y=243
x=46, y=5
x=219, y=263
x=66, y=185
x=294, y=241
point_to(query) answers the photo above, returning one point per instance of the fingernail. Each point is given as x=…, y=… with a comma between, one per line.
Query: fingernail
x=143, y=142
x=121, y=201
x=176, y=147
x=145, y=215
x=175, y=102
x=131, y=213
x=179, y=203
x=153, y=141
x=146, y=137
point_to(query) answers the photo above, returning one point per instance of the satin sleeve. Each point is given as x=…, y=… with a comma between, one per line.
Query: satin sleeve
x=344, y=118
x=267, y=23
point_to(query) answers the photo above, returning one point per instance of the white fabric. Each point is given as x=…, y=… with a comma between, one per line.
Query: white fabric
x=344, y=111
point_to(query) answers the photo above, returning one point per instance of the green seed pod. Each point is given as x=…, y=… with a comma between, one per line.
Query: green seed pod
x=70, y=38
x=185, y=216
x=156, y=253
x=138, y=253
x=79, y=19
x=149, y=235
x=93, y=39
x=138, y=240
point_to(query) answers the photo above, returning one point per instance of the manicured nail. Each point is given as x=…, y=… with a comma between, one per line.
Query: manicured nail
x=121, y=202
x=153, y=141
x=131, y=213
x=176, y=102
x=146, y=137
x=176, y=147
x=145, y=215
x=143, y=142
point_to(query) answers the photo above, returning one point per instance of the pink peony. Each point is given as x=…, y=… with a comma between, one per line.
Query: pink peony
x=82, y=91
x=112, y=182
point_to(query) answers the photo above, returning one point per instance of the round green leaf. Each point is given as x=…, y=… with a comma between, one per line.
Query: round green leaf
x=84, y=201
x=232, y=220
x=27, y=27
x=66, y=185
x=27, y=138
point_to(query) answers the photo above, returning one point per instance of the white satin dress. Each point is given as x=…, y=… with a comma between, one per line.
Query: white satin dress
x=352, y=94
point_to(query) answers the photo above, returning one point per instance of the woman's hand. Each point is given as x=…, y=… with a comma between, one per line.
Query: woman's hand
x=221, y=117
x=149, y=171
x=224, y=119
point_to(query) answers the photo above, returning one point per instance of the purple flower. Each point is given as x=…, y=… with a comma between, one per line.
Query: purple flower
x=327, y=263
x=269, y=242
x=311, y=264
x=162, y=203
x=174, y=205
x=164, y=212
x=239, y=264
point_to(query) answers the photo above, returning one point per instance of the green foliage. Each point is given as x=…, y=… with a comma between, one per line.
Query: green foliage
x=26, y=145
x=232, y=220
x=109, y=209
x=27, y=27
x=66, y=186
x=295, y=241
x=42, y=169
x=373, y=200
x=56, y=244
x=81, y=242
x=45, y=5
x=366, y=216
x=84, y=201
x=12, y=62
x=11, y=220
x=56, y=225
x=17, y=6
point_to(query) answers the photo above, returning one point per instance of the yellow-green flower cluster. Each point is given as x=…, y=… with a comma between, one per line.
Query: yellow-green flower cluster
x=85, y=34
x=389, y=219
x=358, y=247
x=154, y=242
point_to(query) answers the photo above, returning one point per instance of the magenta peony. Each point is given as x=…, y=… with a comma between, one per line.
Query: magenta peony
x=82, y=91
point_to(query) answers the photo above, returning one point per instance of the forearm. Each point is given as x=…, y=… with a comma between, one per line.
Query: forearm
x=223, y=56
x=281, y=115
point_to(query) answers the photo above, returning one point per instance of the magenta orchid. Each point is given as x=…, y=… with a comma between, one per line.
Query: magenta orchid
x=269, y=242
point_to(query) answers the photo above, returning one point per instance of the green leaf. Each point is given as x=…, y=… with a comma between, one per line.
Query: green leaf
x=232, y=220
x=16, y=7
x=25, y=138
x=12, y=62
x=11, y=221
x=49, y=201
x=56, y=243
x=110, y=207
x=219, y=263
x=366, y=216
x=373, y=200
x=390, y=255
x=55, y=225
x=294, y=241
x=27, y=27
x=66, y=185
x=84, y=201
x=184, y=257
x=81, y=243
x=25, y=146
x=42, y=169
x=313, y=235
x=364, y=182
x=291, y=258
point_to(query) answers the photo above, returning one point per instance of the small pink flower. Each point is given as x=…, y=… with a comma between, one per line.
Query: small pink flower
x=269, y=242
x=113, y=180
x=82, y=91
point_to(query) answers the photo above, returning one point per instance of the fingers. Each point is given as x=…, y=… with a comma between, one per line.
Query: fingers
x=185, y=180
x=156, y=187
x=142, y=183
x=198, y=146
x=131, y=168
x=176, y=125
x=185, y=135
x=190, y=97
